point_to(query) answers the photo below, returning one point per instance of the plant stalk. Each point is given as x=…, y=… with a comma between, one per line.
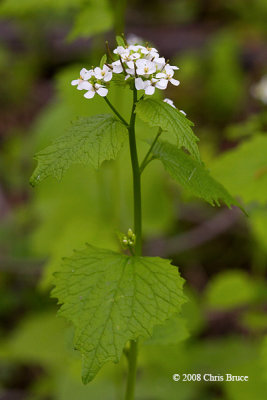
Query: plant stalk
x=116, y=112
x=136, y=180
x=132, y=355
x=132, y=362
x=146, y=160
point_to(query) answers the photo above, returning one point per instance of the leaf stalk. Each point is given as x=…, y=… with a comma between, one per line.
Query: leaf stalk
x=116, y=112
x=146, y=160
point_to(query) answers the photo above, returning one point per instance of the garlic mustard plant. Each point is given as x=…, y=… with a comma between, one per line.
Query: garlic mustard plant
x=115, y=299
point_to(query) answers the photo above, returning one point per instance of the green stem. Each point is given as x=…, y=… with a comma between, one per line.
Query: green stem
x=132, y=355
x=132, y=362
x=116, y=112
x=136, y=180
x=145, y=160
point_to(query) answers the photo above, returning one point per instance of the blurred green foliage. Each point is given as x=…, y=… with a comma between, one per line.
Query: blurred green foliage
x=243, y=170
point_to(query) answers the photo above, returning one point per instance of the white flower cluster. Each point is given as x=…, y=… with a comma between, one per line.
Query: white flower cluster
x=141, y=64
x=93, y=81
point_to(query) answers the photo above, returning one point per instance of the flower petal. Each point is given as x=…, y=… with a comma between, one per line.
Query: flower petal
x=102, y=91
x=90, y=94
x=130, y=64
x=139, y=83
x=87, y=75
x=84, y=85
x=150, y=90
x=162, y=84
x=108, y=76
x=161, y=75
x=83, y=72
x=175, y=82
x=130, y=71
x=98, y=73
x=169, y=101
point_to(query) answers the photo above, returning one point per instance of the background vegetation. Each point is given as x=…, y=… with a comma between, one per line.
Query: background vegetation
x=220, y=48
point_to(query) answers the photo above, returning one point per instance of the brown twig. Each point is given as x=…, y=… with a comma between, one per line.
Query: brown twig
x=203, y=233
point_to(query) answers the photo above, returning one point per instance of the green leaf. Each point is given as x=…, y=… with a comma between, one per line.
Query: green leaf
x=39, y=339
x=89, y=141
x=172, y=332
x=230, y=289
x=103, y=61
x=95, y=17
x=159, y=113
x=112, y=298
x=120, y=41
x=258, y=223
x=192, y=175
x=243, y=170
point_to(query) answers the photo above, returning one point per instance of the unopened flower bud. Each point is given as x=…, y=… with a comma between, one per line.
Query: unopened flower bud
x=124, y=241
x=130, y=233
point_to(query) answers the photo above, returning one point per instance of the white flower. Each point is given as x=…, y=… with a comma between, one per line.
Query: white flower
x=168, y=73
x=130, y=72
x=126, y=53
x=130, y=64
x=149, y=87
x=84, y=76
x=182, y=111
x=150, y=52
x=135, y=47
x=170, y=102
x=101, y=90
x=160, y=83
x=260, y=90
x=145, y=67
x=120, y=50
x=130, y=57
x=146, y=85
x=117, y=67
x=93, y=89
x=104, y=74
x=160, y=62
